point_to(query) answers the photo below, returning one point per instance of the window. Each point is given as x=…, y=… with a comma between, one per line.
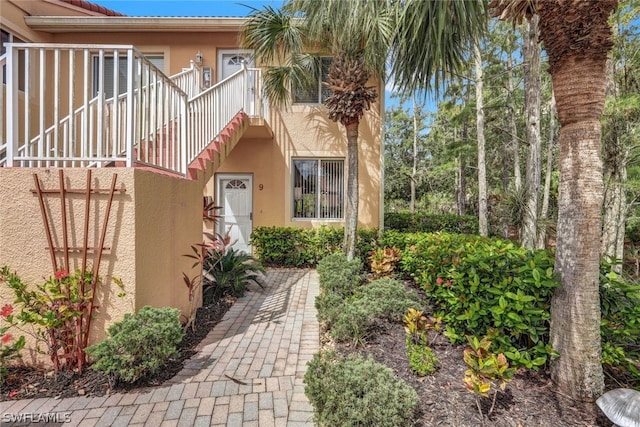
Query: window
x=156, y=60
x=7, y=37
x=318, y=188
x=318, y=93
x=236, y=60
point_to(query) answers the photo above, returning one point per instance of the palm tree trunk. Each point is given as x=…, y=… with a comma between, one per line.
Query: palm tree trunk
x=531, y=49
x=351, y=212
x=482, y=166
x=575, y=309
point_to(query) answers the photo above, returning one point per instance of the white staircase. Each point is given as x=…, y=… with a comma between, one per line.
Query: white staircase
x=154, y=121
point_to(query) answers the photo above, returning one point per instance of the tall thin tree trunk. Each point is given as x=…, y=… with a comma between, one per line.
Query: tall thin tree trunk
x=575, y=308
x=528, y=234
x=414, y=168
x=513, y=128
x=505, y=175
x=461, y=186
x=542, y=234
x=351, y=212
x=482, y=171
x=615, y=177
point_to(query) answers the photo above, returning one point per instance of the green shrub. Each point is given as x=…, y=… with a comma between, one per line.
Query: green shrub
x=488, y=287
x=139, y=345
x=338, y=275
x=328, y=305
x=421, y=222
x=353, y=321
x=422, y=359
x=620, y=327
x=283, y=246
x=301, y=247
x=228, y=273
x=357, y=392
x=388, y=299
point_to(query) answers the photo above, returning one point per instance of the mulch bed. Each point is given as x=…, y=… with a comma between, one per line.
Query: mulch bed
x=529, y=400
x=28, y=382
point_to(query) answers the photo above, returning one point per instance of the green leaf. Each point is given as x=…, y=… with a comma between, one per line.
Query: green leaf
x=536, y=274
x=514, y=316
x=539, y=361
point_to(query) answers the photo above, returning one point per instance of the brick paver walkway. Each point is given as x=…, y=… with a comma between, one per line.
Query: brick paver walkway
x=248, y=371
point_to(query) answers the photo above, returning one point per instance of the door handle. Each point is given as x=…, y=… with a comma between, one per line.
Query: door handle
x=251, y=216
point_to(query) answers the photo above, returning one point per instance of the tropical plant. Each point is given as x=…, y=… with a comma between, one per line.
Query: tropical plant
x=485, y=370
x=56, y=313
x=229, y=272
x=281, y=40
x=383, y=261
x=9, y=347
x=421, y=357
x=213, y=243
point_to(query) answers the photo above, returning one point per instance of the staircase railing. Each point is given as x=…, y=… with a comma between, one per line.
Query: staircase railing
x=101, y=105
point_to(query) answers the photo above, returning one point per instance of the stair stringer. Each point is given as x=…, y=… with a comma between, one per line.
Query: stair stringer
x=212, y=157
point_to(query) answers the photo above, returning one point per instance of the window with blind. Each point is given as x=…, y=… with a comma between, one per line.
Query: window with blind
x=318, y=188
x=108, y=73
x=317, y=93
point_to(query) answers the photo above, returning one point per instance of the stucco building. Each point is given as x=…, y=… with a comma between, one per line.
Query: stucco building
x=173, y=107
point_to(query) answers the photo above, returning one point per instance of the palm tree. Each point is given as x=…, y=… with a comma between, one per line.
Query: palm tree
x=280, y=40
x=577, y=38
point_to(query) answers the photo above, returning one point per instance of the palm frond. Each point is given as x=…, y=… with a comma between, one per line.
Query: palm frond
x=433, y=40
x=360, y=30
x=273, y=35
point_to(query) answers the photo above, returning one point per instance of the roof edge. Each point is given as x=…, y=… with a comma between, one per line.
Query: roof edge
x=83, y=4
x=84, y=24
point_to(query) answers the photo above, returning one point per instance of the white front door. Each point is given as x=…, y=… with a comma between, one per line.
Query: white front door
x=234, y=196
x=230, y=62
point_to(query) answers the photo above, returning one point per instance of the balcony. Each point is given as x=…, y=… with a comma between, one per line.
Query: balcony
x=108, y=105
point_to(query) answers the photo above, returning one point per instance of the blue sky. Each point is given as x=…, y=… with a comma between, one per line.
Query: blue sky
x=186, y=7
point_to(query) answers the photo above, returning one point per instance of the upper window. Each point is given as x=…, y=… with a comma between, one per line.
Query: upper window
x=318, y=188
x=318, y=93
x=7, y=37
x=108, y=68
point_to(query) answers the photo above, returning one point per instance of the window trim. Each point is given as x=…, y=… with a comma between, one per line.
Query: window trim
x=318, y=194
x=12, y=38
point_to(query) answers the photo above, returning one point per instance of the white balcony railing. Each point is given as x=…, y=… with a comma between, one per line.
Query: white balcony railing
x=100, y=105
x=3, y=145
